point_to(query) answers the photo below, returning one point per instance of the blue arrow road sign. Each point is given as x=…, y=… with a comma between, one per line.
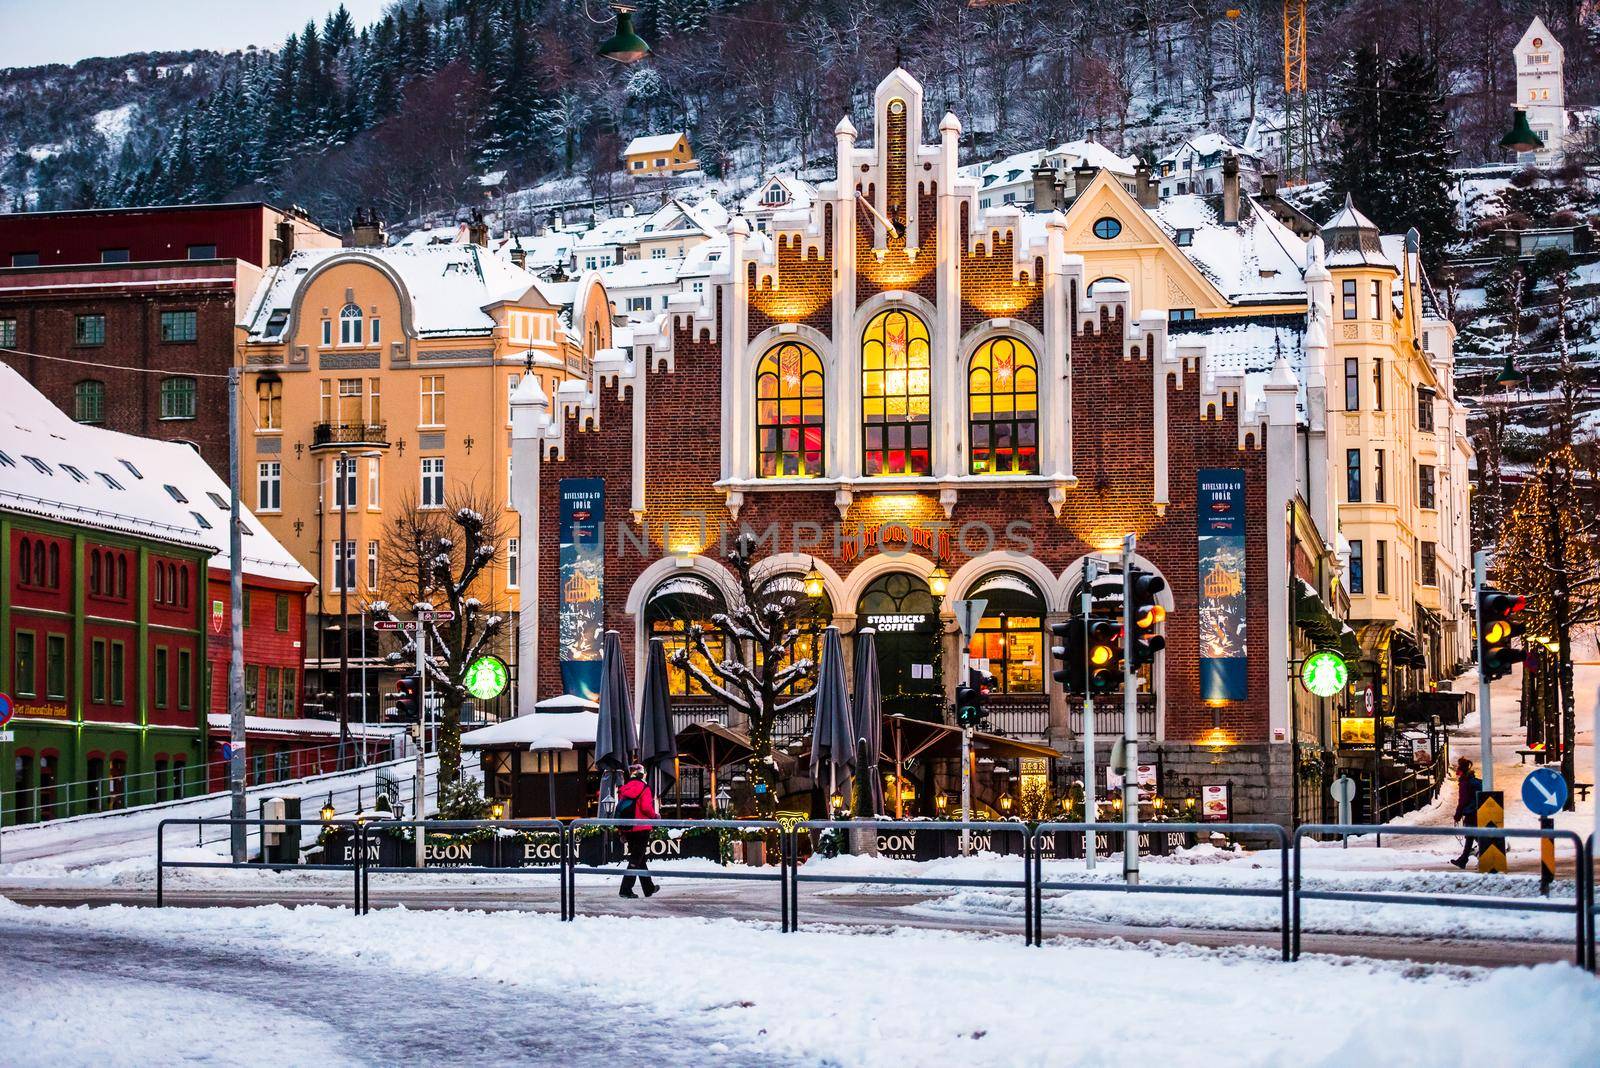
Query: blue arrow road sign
x=1544, y=791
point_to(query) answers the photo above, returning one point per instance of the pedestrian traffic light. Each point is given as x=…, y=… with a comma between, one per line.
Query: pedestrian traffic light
x=1070, y=650
x=1498, y=623
x=405, y=704
x=1104, y=656
x=971, y=697
x=1147, y=615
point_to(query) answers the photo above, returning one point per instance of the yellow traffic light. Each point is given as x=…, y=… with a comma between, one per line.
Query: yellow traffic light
x=1497, y=632
x=1100, y=655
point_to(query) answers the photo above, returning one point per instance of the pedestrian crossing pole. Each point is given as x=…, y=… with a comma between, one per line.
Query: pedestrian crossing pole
x=1547, y=856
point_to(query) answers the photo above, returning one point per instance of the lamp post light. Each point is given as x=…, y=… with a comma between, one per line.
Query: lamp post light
x=1005, y=804
x=814, y=584
x=327, y=809
x=942, y=803
x=497, y=810
x=624, y=46
x=938, y=580
x=1509, y=378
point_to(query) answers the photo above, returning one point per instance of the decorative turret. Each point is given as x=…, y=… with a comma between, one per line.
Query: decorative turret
x=1352, y=239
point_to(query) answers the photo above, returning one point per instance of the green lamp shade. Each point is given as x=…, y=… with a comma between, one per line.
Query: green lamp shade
x=624, y=46
x=1521, y=138
x=1509, y=377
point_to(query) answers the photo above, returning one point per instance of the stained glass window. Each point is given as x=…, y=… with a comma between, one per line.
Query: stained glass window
x=790, y=421
x=1003, y=409
x=895, y=395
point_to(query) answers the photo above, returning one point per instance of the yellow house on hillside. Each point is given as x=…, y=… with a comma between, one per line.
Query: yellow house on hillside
x=658, y=154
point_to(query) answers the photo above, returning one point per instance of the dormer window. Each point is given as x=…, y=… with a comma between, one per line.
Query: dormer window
x=1184, y=237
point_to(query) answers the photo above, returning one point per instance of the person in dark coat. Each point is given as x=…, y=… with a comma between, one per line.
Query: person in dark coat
x=636, y=800
x=1468, y=786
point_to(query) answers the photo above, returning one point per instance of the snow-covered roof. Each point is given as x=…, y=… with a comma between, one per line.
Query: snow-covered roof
x=1017, y=167
x=652, y=143
x=1352, y=239
x=800, y=195
x=550, y=248
x=123, y=484
x=1094, y=154
x=1257, y=260
x=449, y=286
x=1207, y=144
x=1247, y=347
x=537, y=730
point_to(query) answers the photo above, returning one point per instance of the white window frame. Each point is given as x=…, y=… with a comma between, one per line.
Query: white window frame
x=351, y=326
x=374, y=498
x=327, y=333
x=372, y=566
x=513, y=563
x=432, y=494
x=431, y=401
x=269, y=486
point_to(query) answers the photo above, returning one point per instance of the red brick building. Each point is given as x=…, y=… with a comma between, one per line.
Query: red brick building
x=149, y=289
x=926, y=402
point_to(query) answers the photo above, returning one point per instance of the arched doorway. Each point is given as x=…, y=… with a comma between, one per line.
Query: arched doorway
x=674, y=608
x=905, y=614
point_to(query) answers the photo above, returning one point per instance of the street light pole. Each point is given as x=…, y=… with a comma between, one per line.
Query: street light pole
x=236, y=733
x=346, y=566
x=1130, y=721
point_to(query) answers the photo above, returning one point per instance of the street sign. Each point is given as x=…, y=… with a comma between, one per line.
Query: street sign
x=438, y=615
x=8, y=736
x=394, y=624
x=229, y=749
x=969, y=614
x=1342, y=789
x=7, y=709
x=1544, y=791
x=486, y=677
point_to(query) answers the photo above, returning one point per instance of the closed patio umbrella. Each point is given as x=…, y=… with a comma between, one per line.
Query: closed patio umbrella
x=615, y=741
x=658, y=745
x=868, y=699
x=833, y=732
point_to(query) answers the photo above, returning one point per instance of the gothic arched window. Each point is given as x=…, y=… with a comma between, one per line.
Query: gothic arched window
x=1003, y=408
x=895, y=395
x=790, y=417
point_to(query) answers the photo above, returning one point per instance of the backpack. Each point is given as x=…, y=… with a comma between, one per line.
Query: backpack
x=626, y=805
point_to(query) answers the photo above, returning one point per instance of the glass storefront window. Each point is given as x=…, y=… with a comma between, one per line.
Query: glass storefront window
x=1009, y=642
x=896, y=388
x=674, y=607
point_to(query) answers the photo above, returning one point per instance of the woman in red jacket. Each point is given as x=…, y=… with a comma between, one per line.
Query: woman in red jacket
x=635, y=799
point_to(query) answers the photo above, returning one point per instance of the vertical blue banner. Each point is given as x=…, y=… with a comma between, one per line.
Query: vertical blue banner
x=1219, y=523
x=582, y=584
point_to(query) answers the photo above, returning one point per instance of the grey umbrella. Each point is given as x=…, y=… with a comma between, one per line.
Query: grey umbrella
x=614, y=739
x=658, y=744
x=833, y=734
x=868, y=700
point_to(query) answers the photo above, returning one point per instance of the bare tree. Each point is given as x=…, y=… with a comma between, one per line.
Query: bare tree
x=440, y=558
x=756, y=671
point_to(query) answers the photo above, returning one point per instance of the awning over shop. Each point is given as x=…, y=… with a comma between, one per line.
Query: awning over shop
x=710, y=745
x=1405, y=651
x=1312, y=615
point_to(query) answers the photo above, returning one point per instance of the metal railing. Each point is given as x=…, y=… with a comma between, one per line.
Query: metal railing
x=1290, y=889
x=1108, y=716
x=1579, y=908
x=1019, y=719
x=349, y=434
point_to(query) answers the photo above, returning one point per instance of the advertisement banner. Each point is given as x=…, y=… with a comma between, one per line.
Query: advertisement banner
x=1219, y=524
x=582, y=585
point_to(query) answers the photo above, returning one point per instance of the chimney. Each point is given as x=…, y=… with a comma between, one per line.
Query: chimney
x=518, y=256
x=366, y=231
x=1082, y=175
x=1269, y=184
x=627, y=211
x=1144, y=182
x=283, y=243
x=1230, y=190
x=478, y=230
x=1044, y=188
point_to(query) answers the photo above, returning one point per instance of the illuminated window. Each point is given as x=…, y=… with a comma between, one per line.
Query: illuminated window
x=675, y=609
x=1009, y=641
x=790, y=423
x=895, y=397
x=1003, y=408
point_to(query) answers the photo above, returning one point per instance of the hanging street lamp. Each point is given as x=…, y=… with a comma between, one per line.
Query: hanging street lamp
x=938, y=580
x=814, y=584
x=624, y=46
x=1521, y=137
x=1509, y=377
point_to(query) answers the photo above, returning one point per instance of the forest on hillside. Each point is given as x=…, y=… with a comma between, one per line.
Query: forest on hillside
x=405, y=114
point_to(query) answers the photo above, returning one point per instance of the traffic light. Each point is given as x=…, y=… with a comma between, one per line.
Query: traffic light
x=405, y=705
x=1498, y=623
x=1104, y=655
x=1147, y=615
x=1069, y=649
x=971, y=697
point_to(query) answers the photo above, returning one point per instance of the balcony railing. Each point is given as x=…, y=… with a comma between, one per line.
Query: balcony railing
x=1108, y=715
x=683, y=715
x=1019, y=719
x=324, y=435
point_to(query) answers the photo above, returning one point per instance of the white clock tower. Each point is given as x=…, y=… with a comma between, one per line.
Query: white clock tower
x=1540, y=59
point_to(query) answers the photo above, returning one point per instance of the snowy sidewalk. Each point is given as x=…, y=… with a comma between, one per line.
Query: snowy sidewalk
x=742, y=994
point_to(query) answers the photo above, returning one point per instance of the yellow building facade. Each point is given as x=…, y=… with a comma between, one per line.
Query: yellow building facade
x=378, y=380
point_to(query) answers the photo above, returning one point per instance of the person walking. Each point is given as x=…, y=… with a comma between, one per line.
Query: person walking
x=1468, y=786
x=635, y=800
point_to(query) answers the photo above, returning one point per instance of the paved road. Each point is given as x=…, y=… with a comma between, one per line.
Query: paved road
x=759, y=902
x=382, y=1017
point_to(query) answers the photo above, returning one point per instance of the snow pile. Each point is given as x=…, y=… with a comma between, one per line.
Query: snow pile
x=748, y=994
